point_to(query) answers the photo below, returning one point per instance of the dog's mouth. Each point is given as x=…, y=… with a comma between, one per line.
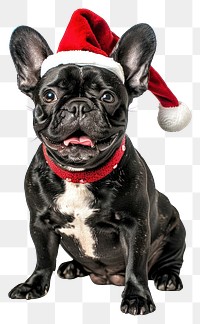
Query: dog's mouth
x=79, y=141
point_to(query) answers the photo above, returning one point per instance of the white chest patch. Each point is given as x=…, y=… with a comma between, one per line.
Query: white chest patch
x=75, y=201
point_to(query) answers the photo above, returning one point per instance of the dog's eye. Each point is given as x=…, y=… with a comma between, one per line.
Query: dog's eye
x=49, y=96
x=108, y=97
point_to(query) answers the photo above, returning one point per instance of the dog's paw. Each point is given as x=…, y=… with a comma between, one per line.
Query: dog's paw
x=168, y=282
x=71, y=270
x=137, y=305
x=36, y=286
x=28, y=291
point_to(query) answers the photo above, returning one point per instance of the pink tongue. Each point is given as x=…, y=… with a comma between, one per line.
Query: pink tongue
x=82, y=140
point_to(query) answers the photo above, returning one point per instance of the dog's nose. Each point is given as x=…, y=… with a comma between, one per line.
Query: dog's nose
x=79, y=108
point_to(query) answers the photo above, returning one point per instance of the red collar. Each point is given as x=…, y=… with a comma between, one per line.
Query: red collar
x=90, y=175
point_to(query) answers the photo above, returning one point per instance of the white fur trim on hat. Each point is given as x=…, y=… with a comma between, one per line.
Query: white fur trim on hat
x=82, y=58
x=174, y=119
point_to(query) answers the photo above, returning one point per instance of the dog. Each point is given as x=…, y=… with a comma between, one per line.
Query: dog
x=118, y=228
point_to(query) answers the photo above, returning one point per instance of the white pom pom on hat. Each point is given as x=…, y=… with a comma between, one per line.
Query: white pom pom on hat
x=173, y=115
x=88, y=40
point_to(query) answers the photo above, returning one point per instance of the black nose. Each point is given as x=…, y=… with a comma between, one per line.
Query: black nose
x=79, y=107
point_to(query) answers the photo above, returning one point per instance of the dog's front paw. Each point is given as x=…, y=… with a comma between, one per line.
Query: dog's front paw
x=168, y=282
x=34, y=287
x=27, y=291
x=137, y=305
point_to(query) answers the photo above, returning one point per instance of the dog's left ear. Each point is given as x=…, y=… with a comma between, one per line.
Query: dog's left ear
x=134, y=52
x=28, y=50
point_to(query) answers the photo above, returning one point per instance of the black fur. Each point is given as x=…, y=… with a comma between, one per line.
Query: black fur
x=139, y=233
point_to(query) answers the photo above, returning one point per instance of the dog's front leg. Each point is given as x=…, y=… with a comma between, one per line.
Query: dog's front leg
x=135, y=239
x=46, y=244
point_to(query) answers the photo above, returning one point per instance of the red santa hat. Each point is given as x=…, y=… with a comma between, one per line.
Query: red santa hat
x=88, y=40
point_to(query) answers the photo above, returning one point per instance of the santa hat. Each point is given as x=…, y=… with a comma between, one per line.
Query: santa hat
x=88, y=40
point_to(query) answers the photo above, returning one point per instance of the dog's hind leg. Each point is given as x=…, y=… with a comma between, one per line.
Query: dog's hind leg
x=165, y=271
x=71, y=270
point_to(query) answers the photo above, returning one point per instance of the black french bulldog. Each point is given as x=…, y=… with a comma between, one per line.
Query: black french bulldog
x=118, y=229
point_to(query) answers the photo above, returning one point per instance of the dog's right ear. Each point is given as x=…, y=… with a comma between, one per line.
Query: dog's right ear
x=28, y=50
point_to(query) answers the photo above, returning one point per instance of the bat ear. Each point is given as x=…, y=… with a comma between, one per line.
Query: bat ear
x=28, y=50
x=134, y=52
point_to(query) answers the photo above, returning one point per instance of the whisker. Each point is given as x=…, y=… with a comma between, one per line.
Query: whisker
x=132, y=109
x=34, y=139
x=30, y=108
